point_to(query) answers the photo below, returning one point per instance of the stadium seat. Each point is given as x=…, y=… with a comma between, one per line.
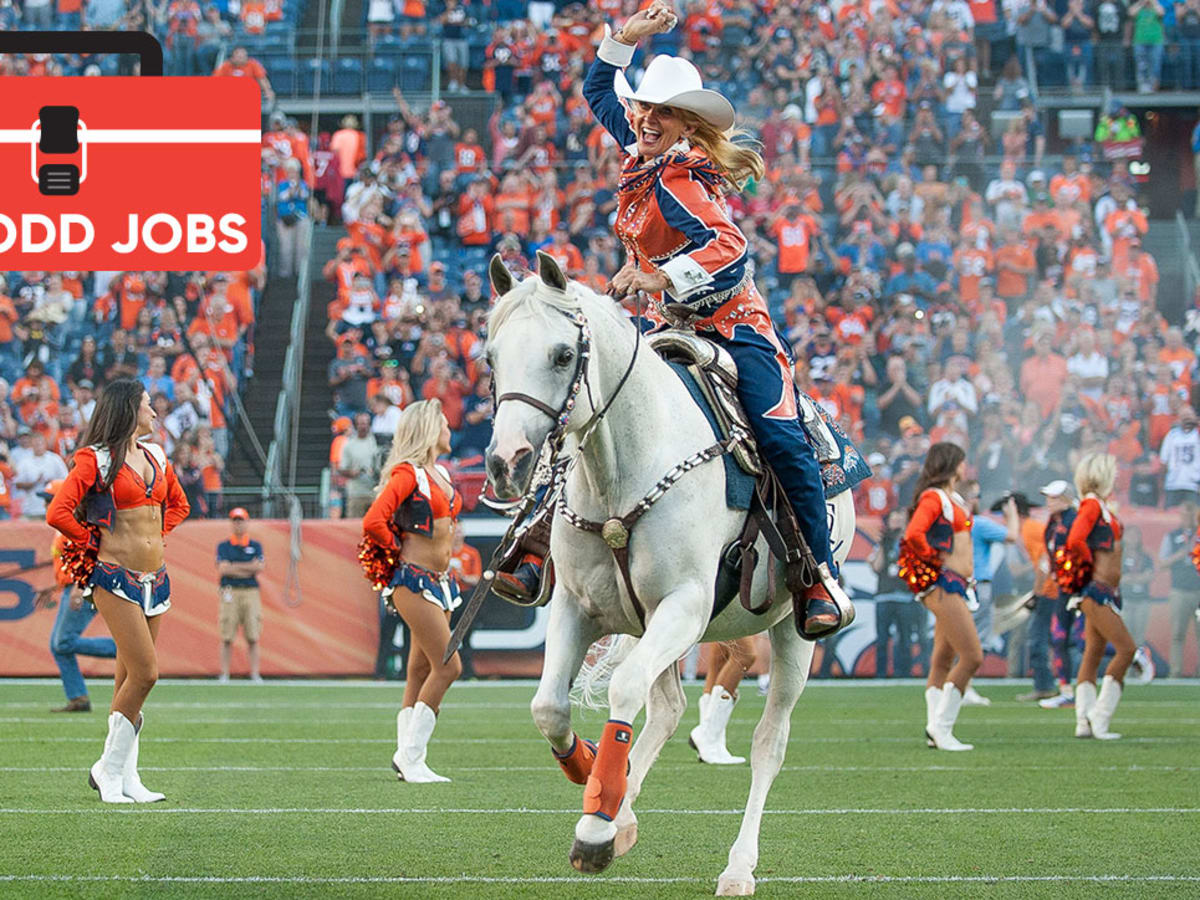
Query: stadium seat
x=477, y=54
x=381, y=76
x=388, y=45
x=281, y=70
x=414, y=74
x=348, y=76
x=312, y=70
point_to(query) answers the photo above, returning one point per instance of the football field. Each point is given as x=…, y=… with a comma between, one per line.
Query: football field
x=286, y=790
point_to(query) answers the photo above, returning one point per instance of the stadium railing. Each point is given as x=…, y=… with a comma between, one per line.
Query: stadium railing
x=284, y=442
x=1191, y=268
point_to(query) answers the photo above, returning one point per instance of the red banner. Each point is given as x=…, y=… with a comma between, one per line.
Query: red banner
x=129, y=173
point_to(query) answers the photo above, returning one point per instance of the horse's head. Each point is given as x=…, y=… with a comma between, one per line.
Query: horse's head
x=534, y=349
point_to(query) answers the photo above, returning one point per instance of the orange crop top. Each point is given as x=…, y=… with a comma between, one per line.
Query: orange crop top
x=128, y=491
x=1094, y=528
x=410, y=502
x=937, y=518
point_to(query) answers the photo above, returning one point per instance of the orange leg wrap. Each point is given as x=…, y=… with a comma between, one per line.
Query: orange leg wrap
x=577, y=764
x=606, y=784
x=532, y=558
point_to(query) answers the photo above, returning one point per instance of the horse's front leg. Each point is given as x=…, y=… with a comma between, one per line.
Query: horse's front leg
x=791, y=657
x=664, y=709
x=569, y=633
x=676, y=624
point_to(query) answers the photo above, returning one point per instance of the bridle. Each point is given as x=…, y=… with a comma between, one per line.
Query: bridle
x=579, y=381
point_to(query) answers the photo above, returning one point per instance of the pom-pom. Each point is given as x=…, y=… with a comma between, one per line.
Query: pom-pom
x=378, y=562
x=1196, y=551
x=1072, y=570
x=918, y=571
x=79, y=559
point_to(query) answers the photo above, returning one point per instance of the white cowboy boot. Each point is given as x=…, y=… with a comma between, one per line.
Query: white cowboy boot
x=1085, y=699
x=933, y=699
x=131, y=782
x=972, y=697
x=412, y=757
x=947, y=713
x=107, y=773
x=1102, y=711
x=403, y=718
x=709, y=737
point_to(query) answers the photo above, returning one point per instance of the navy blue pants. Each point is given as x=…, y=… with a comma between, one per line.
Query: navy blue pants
x=770, y=404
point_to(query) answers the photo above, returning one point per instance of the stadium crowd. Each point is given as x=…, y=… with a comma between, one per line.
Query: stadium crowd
x=187, y=335
x=933, y=284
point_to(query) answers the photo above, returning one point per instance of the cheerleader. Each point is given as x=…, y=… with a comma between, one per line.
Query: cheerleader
x=727, y=664
x=408, y=544
x=1089, y=571
x=114, y=508
x=936, y=560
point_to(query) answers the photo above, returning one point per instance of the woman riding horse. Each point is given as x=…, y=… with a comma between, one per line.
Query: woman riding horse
x=683, y=249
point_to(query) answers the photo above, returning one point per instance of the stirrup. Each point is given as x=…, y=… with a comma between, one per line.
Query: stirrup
x=508, y=586
x=842, y=607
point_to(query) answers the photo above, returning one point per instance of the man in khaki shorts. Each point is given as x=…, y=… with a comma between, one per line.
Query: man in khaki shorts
x=239, y=560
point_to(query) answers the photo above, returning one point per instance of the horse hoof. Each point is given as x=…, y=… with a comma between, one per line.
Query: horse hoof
x=625, y=840
x=591, y=858
x=728, y=886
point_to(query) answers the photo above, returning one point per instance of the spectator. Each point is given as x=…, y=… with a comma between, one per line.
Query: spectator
x=239, y=562
x=1149, y=36
x=32, y=472
x=1175, y=555
x=1137, y=572
x=358, y=463
x=348, y=375
x=894, y=608
x=349, y=146
x=1180, y=454
x=291, y=211
x=241, y=64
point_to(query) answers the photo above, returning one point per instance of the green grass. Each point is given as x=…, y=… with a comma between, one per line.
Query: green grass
x=1042, y=799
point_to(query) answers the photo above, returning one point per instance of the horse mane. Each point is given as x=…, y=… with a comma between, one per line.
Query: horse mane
x=534, y=295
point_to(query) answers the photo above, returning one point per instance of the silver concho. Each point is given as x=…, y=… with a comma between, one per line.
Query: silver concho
x=614, y=533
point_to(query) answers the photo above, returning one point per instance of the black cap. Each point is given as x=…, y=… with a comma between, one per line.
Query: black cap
x=1024, y=504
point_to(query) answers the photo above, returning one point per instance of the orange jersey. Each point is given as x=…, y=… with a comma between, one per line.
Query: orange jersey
x=792, y=236
x=972, y=267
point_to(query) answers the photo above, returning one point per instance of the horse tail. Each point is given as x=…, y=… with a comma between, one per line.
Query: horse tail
x=590, y=689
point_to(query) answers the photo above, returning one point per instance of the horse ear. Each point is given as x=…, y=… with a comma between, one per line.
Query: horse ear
x=499, y=276
x=549, y=271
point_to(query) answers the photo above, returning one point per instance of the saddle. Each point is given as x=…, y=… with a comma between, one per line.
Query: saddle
x=769, y=513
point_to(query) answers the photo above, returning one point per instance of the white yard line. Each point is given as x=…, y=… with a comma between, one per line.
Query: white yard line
x=600, y=879
x=353, y=683
x=992, y=741
x=150, y=809
x=661, y=764
x=473, y=724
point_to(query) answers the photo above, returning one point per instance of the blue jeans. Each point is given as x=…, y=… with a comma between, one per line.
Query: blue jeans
x=66, y=643
x=1079, y=62
x=1039, y=642
x=1189, y=63
x=1147, y=59
x=781, y=441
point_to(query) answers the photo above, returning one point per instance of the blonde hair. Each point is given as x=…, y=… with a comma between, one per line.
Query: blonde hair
x=1096, y=474
x=416, y=437
x=730, y=151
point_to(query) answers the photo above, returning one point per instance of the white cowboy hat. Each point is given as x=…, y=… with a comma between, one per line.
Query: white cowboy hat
x=672, y=81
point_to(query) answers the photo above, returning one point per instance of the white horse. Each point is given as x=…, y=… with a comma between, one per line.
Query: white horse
x=537, y=331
